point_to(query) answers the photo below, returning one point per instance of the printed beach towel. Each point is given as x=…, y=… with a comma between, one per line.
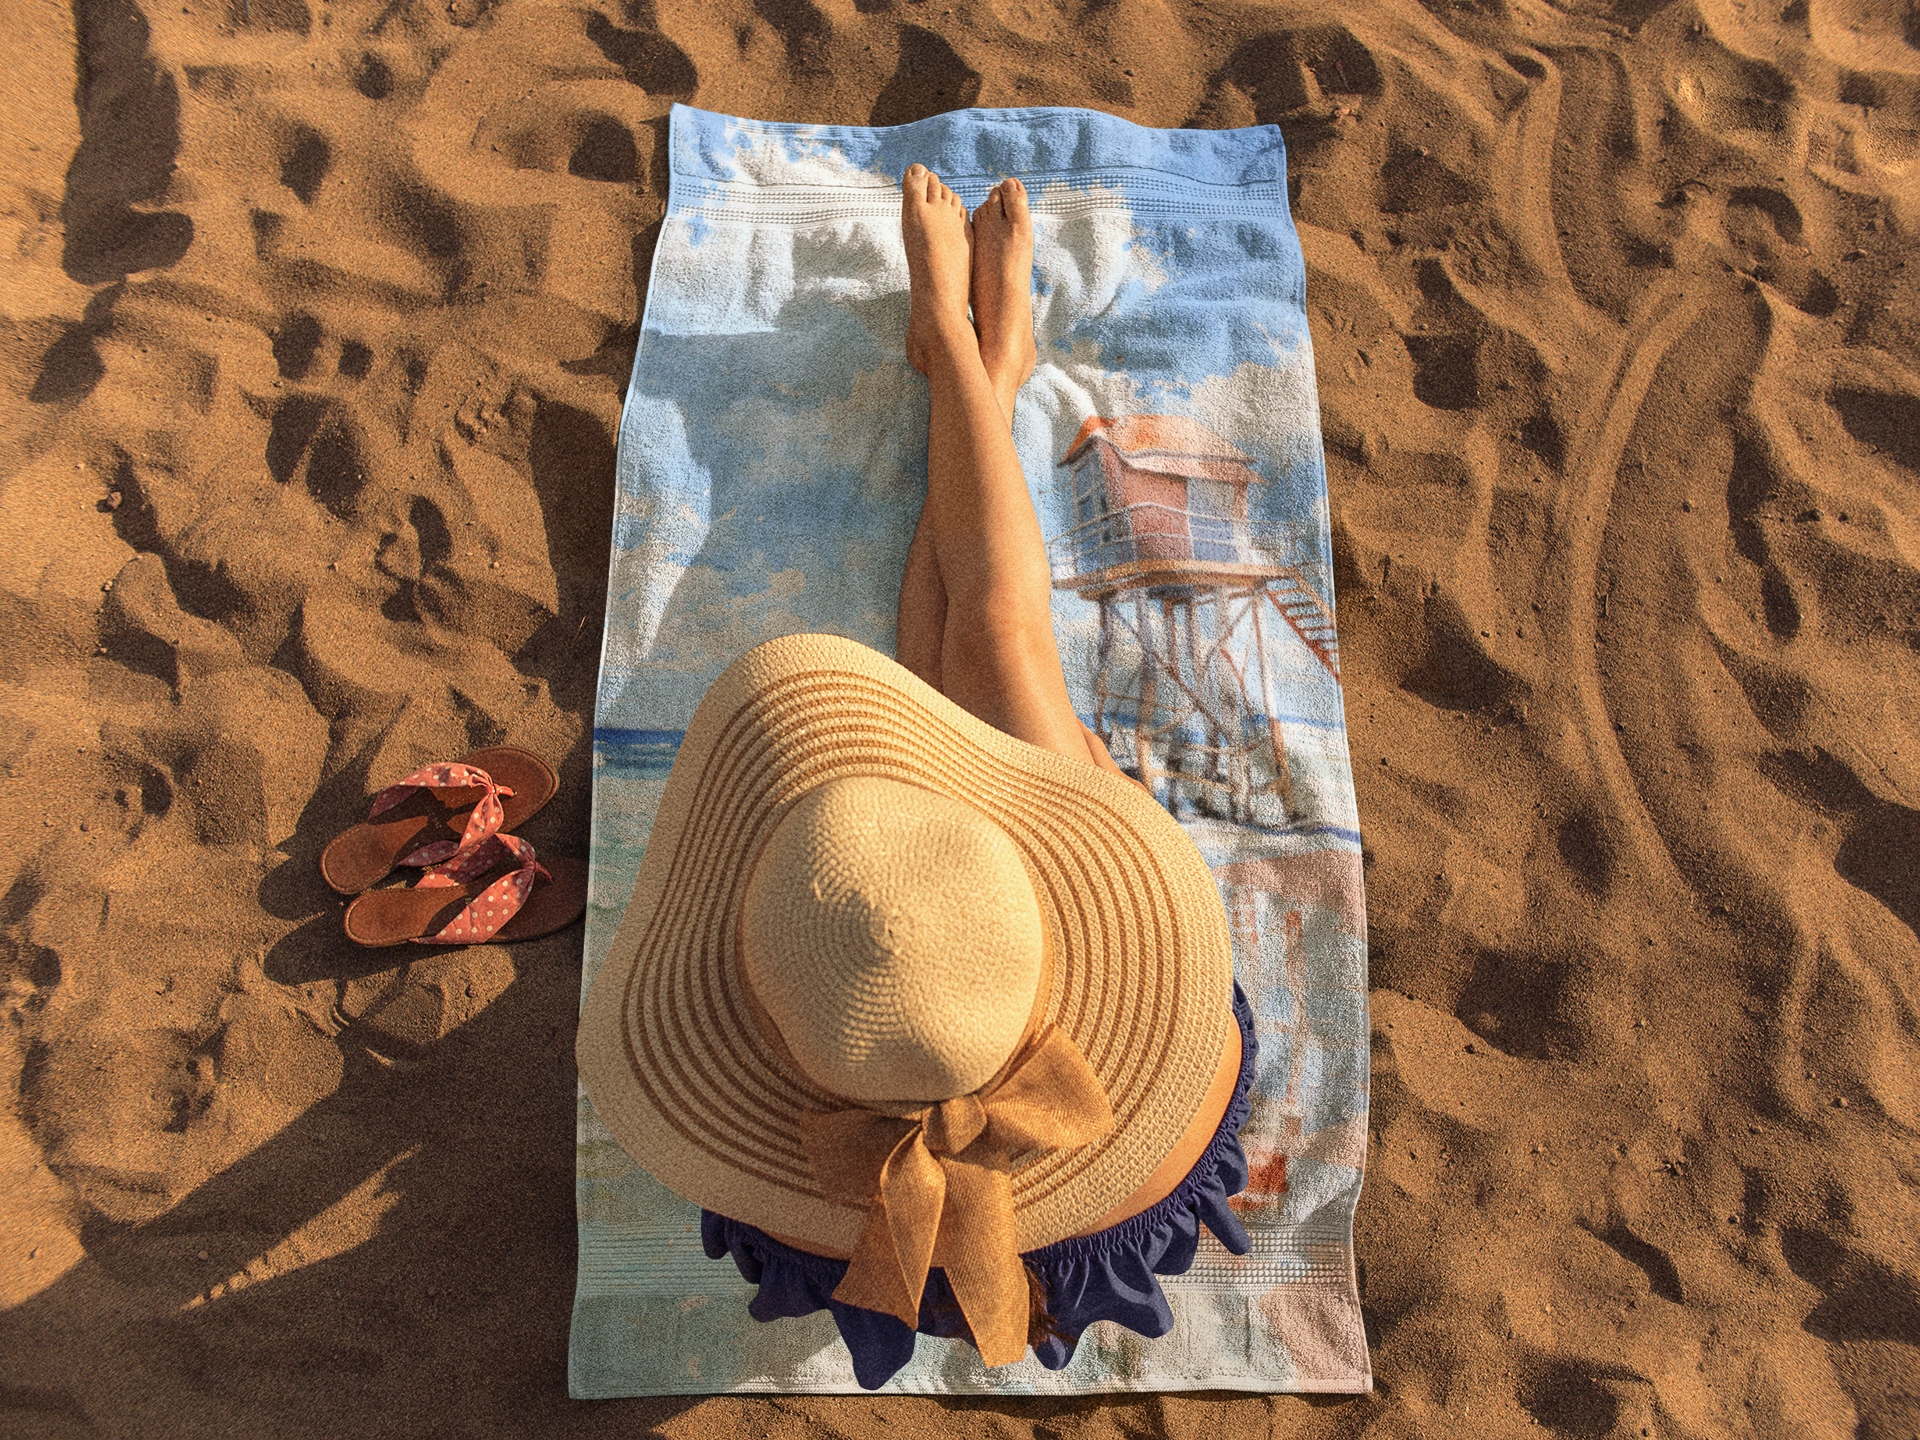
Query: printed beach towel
x=772, y=461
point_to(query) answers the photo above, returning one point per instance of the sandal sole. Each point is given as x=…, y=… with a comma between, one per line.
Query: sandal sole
x=400, y=914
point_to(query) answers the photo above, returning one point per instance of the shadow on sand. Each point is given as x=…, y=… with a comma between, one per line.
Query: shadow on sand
x=449, y=1318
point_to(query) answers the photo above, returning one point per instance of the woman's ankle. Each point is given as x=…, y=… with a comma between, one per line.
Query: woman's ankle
x=1006, y=387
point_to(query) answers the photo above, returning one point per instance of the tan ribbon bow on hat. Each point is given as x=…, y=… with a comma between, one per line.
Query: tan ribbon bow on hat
x=940, y=1187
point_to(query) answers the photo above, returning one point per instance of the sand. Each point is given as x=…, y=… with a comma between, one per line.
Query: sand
x=317, y=319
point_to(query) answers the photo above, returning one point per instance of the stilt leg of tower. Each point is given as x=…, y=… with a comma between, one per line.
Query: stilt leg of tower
x=1177, y=726
x=1143, y=710
x=1205, y=693
x=1233, y=688
x=1282, y=774
x=1102, y=678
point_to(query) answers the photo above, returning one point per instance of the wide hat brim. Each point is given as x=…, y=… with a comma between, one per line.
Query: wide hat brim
x=1140, y=975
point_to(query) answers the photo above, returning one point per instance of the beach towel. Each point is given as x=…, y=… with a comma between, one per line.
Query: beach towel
x=772, y=462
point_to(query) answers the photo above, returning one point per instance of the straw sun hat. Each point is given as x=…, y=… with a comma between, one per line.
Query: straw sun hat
x=900, y=986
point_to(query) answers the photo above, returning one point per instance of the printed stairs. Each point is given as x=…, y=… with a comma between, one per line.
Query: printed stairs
x=1300, y=606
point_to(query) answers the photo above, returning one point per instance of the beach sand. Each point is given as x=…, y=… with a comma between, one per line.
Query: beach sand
x=318, y=315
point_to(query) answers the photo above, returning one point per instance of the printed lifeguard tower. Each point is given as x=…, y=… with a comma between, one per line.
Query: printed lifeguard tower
x=1161, y=542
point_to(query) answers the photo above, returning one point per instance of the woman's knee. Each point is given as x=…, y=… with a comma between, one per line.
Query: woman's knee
x=1003, y=653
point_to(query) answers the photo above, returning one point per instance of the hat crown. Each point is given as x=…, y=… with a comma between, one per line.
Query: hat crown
x=892, y=936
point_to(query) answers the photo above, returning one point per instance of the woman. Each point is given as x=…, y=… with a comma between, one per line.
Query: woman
x=926, y=1004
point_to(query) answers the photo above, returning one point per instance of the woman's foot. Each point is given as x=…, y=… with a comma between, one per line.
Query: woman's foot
x=933, y=223
x=1003, y=289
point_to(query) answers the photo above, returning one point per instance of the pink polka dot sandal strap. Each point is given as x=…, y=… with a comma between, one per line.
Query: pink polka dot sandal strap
x=488, y=895
x=494, y=906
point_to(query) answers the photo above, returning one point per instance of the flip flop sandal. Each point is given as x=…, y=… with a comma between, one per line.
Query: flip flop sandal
x=504, y=785
x=443, y=908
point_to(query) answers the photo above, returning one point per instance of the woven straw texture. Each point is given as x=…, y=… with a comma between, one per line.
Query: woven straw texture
x=892, y=937
x=670, y=1052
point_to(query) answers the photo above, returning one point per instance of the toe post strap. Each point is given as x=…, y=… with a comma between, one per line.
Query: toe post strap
x=483, y=822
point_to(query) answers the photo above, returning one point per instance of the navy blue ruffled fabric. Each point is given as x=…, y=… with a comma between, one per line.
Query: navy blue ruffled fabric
x=1108, y=1275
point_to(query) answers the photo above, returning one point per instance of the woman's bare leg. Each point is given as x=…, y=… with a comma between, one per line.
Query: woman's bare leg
x=1003, y=319
x=1002, y=291
x=922, y=621
x=978, y=559
x=999, y=287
